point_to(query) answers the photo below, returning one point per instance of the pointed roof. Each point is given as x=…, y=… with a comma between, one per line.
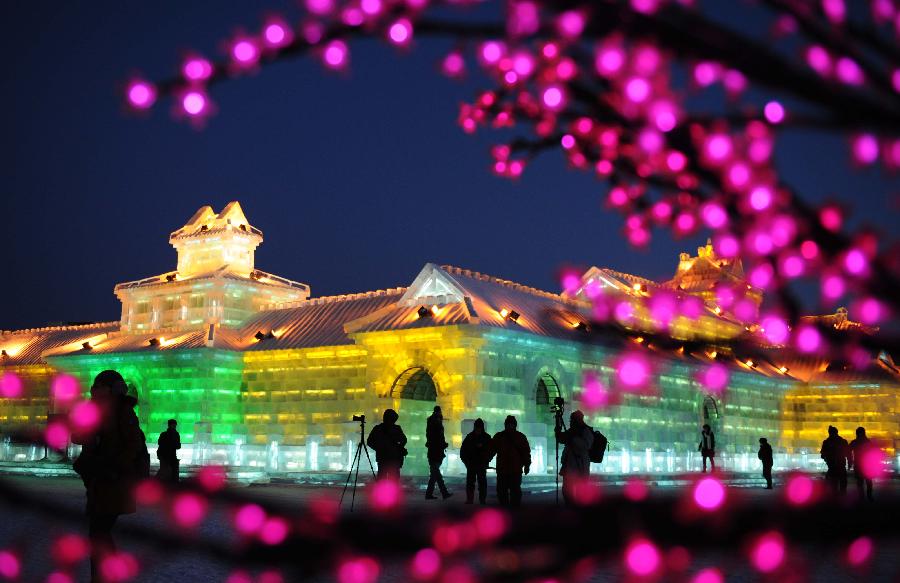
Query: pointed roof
x=206, y=221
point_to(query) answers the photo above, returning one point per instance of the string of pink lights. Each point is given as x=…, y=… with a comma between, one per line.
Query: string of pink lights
x=612, y=85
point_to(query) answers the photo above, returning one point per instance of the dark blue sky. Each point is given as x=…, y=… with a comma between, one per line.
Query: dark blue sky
x=356, y=180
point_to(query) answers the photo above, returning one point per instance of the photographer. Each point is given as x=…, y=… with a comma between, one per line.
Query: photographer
x=575, y=464
x=389, y=443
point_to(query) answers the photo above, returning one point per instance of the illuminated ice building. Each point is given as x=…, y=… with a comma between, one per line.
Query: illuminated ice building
x=260, y=374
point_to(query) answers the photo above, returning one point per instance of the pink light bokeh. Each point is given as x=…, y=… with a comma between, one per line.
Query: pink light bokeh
x=642, y=558
x=85, y=416
x=358, y=570
x=426, y=564
x=189, y=509
x=11, y=386
x=709, y=494
x=709, y=575
x=860, y=551
x=249, y=519
x=768, y=553
x=141, y=94
x=65, y=388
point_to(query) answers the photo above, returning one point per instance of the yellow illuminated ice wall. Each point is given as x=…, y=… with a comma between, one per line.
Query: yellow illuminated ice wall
x=261, y=375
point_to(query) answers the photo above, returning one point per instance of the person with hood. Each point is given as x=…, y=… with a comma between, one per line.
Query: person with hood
x=435, y=443
x=513, y=457
x=113, y=458
x=835, y=451
x=474, y=454
x=389, y=443
x=765, y=456
x=169, y=443
x=858, y=448
x=707, y=447
x=575, y=463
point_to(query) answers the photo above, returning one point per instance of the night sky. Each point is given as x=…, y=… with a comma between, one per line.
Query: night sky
x=356, y=180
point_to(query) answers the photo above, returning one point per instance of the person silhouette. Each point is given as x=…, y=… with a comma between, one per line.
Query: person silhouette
x=435, y=444
x=765, y=456
x=389, y=443
x=835, y=451
x=707, y=447
x=858, y=448
x=575, y=463
x=474, y=454
x=513, y=458
x=168, y=443
x=113, y=458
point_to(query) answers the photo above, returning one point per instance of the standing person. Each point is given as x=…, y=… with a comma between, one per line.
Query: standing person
x=835, y=451
x=513, y=457
x=168, y=443
x=389, y=443
x=435, y=444
x=858, y=448
x=575, y=464
x=707, y=447
x=475, y=454
x=765, y=456
x=113, y=458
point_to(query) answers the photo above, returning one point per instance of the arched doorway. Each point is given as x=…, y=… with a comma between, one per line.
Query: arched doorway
x=709, y=412
x=415, y=395
x=545, y=392
x=414, y=383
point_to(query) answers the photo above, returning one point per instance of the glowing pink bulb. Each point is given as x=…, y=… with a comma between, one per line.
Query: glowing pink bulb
x=808, y=339
x=492, y=52
x=809, y=250
x=768, y=552
x=855, y=262
x=570, y=24
x=148, y=492
x=623, y=312
x=774, y=112
x=118, y=567
x=775, y=329
x=401, y=32
x=85, y=416
x=727, y=246
x=835, y=10
x=609, y=61
x=717, y=147
x=870, y=311
x=453, y=64
x=490, y=524
x=860, y=551
x=645, y=6
x=833, y=287
x=371, y=7
x=636, y=490
x=744, y=310
x=734, y=81
x=738, y=175
x=714, y=215
x=594, y=395
x=197, y=69
x=189, y=509
x=244, y=52
x=637, y=90
x=849, y=72
x=568, y=141
x=277, y=34
x=358, y=570
x=194, y=103
x=709, y=494
x=385, y=494
x=715, y=378
x=570, y=282
x=141, y=94
x=872, y=463
x=761, y=276
x=646, y=60
x=691, y=307
x=685, y=222
x=320, y=7
x=633, y=371
x=70, y=549
x=10, y=386
x=760, y=242
x=426, y=564
x=65, y=388
x=792, y=266
x=642, y=557
x=706, y=73
x=10, y=567
x=336, y=54
x=865, y=149
x=249, y=518
x=709, y=575
x=553, y=97
x=831, y=218
x=650, y=141
x=819, y=60
x=664, y=116
x=57, y=435
x=274, y=531
x=676, y=161
x=523, y=64
x=662, y=211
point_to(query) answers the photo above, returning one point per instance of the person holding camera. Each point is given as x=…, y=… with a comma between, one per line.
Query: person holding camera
x=513, y=457
x=435, y=444
x=474, y=454
x=389, y=443
x=575, y=464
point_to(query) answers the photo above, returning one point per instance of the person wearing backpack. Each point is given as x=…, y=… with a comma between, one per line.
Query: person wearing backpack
x=575, y=463
x=113, y=458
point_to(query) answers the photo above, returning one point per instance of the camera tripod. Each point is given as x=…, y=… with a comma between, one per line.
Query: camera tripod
x=557, y=410
x=357, y=459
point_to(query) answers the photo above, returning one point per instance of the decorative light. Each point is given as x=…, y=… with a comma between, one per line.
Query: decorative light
x=774, y=112
x=642, y=558
x=554, y=97
x=768, y=552
x=244, y=52
x=709, y=494
x=783, y=369
x=749, y=363
x=336, y=54
x=141, y=94
x=195, y=103
x=435, y=310
x=277, y=34
x=400, y=32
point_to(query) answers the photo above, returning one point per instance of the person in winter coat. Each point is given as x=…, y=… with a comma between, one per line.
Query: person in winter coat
x=169, y=443
x=474, y=453
x=513, y=458
x=707, y=447
x=112, y=460
x=435, y=444
x=389, y=443
x=575, y=463
x=858, y=447
x=835, y=451
x=765, y=456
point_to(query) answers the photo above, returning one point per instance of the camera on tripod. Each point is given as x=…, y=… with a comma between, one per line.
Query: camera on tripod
x=360, y=418
x=557, y=409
